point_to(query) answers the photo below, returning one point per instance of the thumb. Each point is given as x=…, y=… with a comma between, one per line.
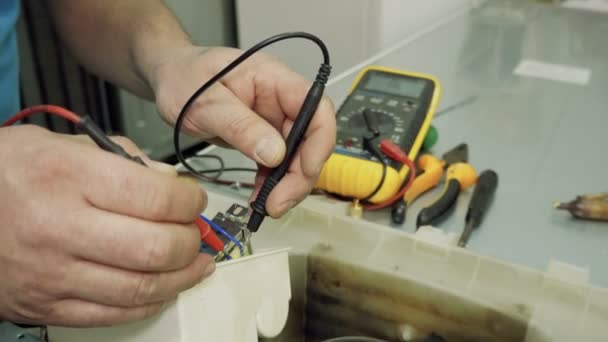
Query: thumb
x=231, y=120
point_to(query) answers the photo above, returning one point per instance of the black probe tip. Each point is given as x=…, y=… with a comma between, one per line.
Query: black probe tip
x=255, y=221
x=398, y=212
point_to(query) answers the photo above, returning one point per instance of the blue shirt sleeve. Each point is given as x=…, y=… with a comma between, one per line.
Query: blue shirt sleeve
x=9, y=59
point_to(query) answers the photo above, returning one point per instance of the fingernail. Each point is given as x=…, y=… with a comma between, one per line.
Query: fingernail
x=269, y=151
x=209, y=269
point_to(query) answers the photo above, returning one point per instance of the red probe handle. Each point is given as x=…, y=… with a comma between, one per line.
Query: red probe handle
x=208, y=236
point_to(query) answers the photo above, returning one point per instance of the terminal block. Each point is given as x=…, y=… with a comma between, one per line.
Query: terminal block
x=233, y=222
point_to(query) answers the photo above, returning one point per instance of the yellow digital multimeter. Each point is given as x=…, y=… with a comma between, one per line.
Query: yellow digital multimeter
x=402, y=104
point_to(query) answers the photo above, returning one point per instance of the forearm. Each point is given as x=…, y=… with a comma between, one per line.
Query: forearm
x=122, y=41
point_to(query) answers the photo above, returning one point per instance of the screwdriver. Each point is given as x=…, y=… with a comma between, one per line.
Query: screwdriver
x=459, y=177
x=482, y=196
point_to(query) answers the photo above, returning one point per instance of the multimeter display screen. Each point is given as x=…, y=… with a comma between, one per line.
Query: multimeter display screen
x=400, y=86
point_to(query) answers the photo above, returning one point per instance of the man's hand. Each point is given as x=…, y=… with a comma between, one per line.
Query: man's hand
x=251, y=109
x=88, y=238
x=146, y=51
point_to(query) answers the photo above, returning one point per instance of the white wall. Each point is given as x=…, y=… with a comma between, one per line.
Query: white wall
x=208, y=22
x=400, y=17
x=352, y=29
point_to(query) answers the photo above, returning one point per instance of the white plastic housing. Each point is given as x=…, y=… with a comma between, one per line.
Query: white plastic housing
x=243, y=298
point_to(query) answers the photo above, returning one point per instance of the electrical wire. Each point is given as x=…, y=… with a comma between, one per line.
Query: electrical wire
x=394, y=152
x=370, y=145
x=51, y=109
x=244, y=56
x=203, y=249
x=380, y=184
x=222, y=231
x=238, y=184
x=230, y=169
x=85, y=124
x=222, y=167
x=219, y=171
x=399, y=195
x=227, y=182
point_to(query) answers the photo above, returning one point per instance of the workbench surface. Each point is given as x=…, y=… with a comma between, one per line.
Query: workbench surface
x=545, y=139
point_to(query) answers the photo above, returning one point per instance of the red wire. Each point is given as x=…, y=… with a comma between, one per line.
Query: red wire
x=411, y=175
x=51, y=109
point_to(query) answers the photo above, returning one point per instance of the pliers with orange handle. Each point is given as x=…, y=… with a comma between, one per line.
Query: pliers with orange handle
x=431, y=170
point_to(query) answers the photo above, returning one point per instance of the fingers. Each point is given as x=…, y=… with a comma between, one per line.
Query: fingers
x=128, y=242
x=223, y=115
x=127, y=188
x=128, y=145
x=319, y=141
x=78, y=313
x=133, y=150
x=116, y=287
x=290, y=191
x=289, y=92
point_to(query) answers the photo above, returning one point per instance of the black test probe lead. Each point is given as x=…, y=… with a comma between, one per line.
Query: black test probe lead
x=309, y=106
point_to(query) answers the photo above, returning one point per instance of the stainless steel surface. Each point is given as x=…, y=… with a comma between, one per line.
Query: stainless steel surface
x=545, y=139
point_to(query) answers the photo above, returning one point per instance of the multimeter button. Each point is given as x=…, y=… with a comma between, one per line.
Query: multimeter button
x=348, y=143
x=375, y=100
x=359, y=97
x=392, y=103
x=407, y=109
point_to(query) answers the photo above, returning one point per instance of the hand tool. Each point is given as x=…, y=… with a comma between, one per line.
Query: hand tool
x=480, y=201
x=588, y=206
x=459, y=177
x=395, y=104
x=432, y=170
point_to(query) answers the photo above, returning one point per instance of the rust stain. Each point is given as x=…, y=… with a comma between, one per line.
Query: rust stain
x=394, y=299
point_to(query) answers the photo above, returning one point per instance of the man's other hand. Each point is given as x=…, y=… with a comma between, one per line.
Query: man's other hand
x=88, y=238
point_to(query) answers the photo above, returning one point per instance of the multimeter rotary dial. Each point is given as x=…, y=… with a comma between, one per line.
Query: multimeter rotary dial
x=353, y=125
